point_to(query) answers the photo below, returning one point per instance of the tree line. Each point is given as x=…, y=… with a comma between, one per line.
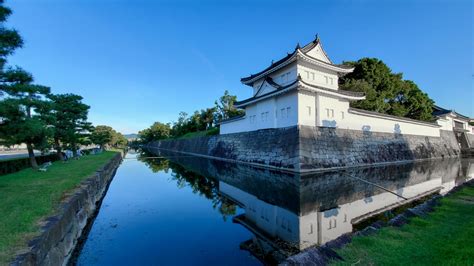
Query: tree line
x=204, y=120
x=30, y=114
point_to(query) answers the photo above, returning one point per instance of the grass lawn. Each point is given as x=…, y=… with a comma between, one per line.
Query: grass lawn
x=28, y=195
x=210, y=132
x=444, y=237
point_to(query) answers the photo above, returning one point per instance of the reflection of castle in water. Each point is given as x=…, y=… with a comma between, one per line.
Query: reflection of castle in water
x=314, y=209
x=329, y=204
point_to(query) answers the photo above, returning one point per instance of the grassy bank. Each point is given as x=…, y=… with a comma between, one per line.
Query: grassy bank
x=29, y=195
x=444, y=237
x=210, y=132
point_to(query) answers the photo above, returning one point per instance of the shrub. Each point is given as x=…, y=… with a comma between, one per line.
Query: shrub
x=15, y=165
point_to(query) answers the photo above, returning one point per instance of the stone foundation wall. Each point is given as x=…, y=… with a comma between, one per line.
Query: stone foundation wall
x=470, y=140
x=306, y=148
x=331, y=147
x=271, y=147
x=60, y=233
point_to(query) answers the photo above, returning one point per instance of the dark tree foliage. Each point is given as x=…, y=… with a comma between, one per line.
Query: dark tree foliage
x=386, y=92
x=9, y=38
x=155, y=132
x=20, y=112
x=102, y=135
x=68, y=117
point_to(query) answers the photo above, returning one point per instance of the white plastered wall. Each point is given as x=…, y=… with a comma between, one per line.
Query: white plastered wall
x=318, y=76
x=307, y=112
x=275, y=112
x=334, y=112
x=292, y=109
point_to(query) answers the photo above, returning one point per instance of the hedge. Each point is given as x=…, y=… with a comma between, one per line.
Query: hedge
x=15, y=165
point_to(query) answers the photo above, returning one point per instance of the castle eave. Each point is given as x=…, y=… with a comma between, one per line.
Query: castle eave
x=301, y=85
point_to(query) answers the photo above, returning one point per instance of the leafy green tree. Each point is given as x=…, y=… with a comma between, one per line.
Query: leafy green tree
x=156, y=131
x=69, y=121
x=118, y=140
x=207, y=117
x=225, y=107
x=386, y=92
x=102, y=135
x=181, y=126
x=20, y=121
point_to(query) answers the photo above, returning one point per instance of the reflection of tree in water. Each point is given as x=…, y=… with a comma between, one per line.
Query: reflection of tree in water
x=201, y=185
x=157, y=165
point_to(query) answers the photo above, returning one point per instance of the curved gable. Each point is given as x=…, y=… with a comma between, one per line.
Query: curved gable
x=265, y=87
x=318, y=53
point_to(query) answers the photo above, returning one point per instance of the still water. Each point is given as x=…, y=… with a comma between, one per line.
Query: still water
x=185, y=210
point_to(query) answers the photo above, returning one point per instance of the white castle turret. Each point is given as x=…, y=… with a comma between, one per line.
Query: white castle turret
x=299, y=89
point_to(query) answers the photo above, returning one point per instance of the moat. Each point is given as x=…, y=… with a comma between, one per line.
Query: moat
x=172, y=209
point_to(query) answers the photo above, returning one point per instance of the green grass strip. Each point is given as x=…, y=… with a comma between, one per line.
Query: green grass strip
x=28, y=195
x=444, y=237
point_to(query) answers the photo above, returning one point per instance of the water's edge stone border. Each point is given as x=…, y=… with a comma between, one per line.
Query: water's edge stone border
x=60, y=233
x=322, y=255
x=306, y=149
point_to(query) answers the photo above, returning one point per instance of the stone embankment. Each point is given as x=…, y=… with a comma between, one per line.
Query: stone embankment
x=303, y=148
x=60, y=233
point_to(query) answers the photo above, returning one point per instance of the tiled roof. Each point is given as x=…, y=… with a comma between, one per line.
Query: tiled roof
x=297, y=82
x=279, y=88
x=305, y=49
x=439, y=111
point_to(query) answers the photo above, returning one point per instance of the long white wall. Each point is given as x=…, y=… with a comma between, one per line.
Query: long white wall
x=334, y=112
x=310, y=109
x=276, y=112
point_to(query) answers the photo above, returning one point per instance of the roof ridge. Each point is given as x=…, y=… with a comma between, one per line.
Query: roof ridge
x=304, y=50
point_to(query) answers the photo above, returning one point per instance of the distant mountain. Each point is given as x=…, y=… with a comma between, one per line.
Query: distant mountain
x=131, y=136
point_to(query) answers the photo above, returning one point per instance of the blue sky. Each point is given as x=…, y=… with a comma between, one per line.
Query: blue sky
x=136, y=62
